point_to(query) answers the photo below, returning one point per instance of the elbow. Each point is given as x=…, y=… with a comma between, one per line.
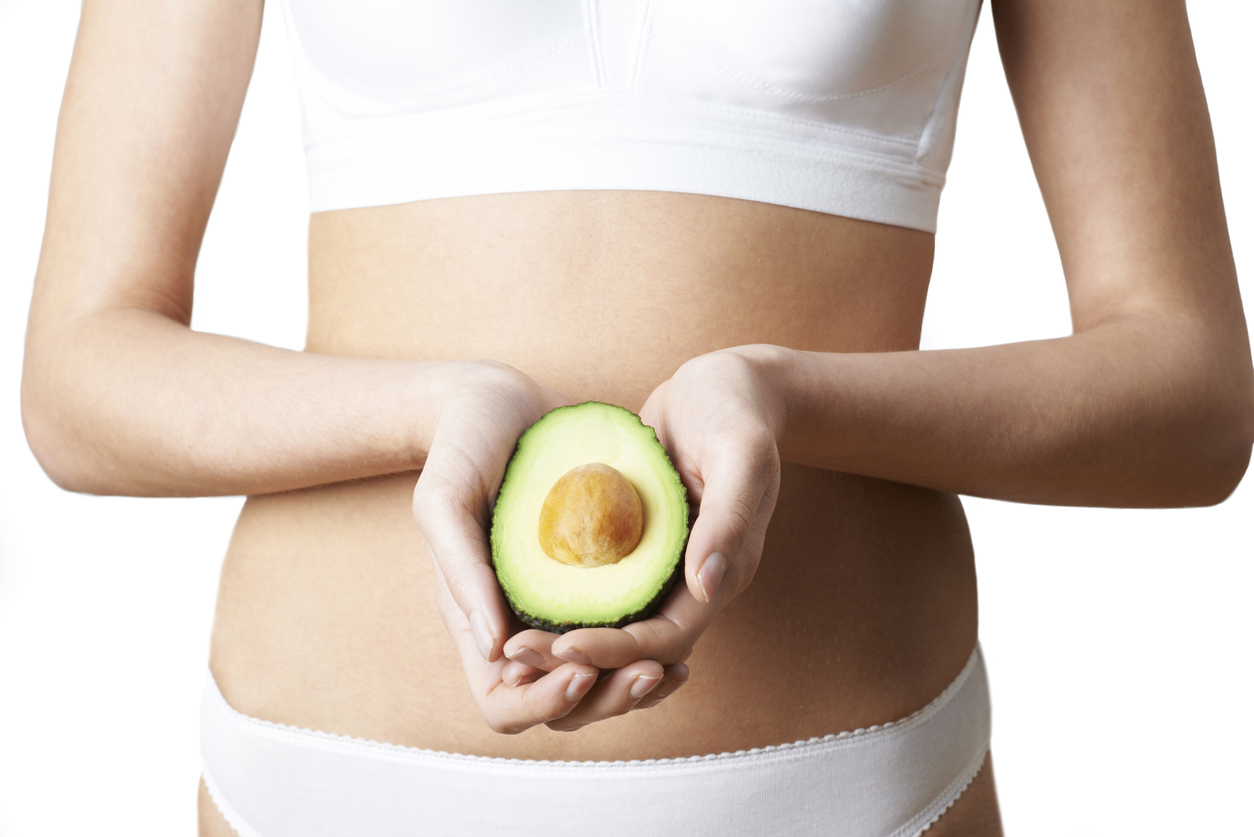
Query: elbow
x=1236, y=451
x=1218, y=484
x=1223, y=446
x=54, y=445
x=46, y=442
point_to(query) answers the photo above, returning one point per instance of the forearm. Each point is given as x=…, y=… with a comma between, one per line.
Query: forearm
x=1134, y=411
x=131, y=402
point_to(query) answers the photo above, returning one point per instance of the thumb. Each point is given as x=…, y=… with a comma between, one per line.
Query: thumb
x=736, y=504
x=653, y=413
x=446, y=512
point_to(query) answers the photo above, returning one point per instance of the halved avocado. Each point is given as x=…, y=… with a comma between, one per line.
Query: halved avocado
x=600, y=576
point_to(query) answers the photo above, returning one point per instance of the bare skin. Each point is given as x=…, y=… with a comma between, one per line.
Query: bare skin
x=844, y=594
x=906, y=637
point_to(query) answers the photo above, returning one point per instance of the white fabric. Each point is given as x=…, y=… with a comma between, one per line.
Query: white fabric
x=840, y=106
x=894, y=780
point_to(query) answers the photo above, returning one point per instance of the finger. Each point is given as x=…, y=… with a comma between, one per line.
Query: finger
x=673, y=678
x=615, y=695
x=459, y=549
x=667, y=637
x=652, y=414
x=510, y=710
x=482, y=675
x=740, y=490
x=459, y=628
x=534, y=699
x=516, y=674
x=534, y=648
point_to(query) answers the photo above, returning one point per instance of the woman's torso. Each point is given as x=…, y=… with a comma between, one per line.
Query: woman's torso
x=864, y=605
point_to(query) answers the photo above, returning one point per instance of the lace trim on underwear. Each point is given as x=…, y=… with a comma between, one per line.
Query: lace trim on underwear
x=932, y=813
x=228, y=812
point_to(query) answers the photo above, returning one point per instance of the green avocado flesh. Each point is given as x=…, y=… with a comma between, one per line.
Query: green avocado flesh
x=558, y=597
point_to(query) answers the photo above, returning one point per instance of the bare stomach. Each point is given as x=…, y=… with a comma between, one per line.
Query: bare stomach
x=864, y=605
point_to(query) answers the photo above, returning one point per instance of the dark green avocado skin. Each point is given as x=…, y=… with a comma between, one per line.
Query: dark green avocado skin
x=643, y=613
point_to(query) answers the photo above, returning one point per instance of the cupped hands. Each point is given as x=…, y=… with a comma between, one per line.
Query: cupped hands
x=719, y=417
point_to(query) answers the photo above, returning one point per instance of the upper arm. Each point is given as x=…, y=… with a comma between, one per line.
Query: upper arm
x=1112, y=109
x=151, y=104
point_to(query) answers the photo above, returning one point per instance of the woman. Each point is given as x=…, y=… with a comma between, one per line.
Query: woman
x=666, y=302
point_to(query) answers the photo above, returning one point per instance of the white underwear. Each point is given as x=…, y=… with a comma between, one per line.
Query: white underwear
x=893, y=780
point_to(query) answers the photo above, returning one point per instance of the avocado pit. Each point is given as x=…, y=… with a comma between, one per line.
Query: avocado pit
x=591, y=517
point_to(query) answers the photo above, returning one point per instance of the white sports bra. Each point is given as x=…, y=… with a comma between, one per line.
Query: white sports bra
x=840, y=106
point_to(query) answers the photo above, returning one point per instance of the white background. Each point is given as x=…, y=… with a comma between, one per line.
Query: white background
x=1119, y=642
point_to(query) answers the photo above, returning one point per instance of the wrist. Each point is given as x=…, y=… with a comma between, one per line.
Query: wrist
x=827, y=410
x=419, y=397
x=434, y=386
x=776, y=369
x=479, y=386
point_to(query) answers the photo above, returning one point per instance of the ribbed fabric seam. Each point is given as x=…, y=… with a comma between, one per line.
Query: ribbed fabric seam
x=624, y=103
x=642, y=44
x=594, y=36
x=840, y=157
x=945, y=96
x=572, y=102
x=303, y=92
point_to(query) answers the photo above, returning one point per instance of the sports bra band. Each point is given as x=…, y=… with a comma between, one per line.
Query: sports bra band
x=837, y=106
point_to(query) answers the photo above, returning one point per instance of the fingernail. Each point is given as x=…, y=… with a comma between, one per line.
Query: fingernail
x=643, y=686
x=527, y=657
x=579, y=686
x=483, y=634
x=574, y=655
x=711, y=574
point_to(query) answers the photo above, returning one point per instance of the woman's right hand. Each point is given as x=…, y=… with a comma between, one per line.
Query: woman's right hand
x=483, y=408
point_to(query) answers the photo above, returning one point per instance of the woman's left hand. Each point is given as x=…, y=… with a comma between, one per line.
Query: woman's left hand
x=719, y=417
